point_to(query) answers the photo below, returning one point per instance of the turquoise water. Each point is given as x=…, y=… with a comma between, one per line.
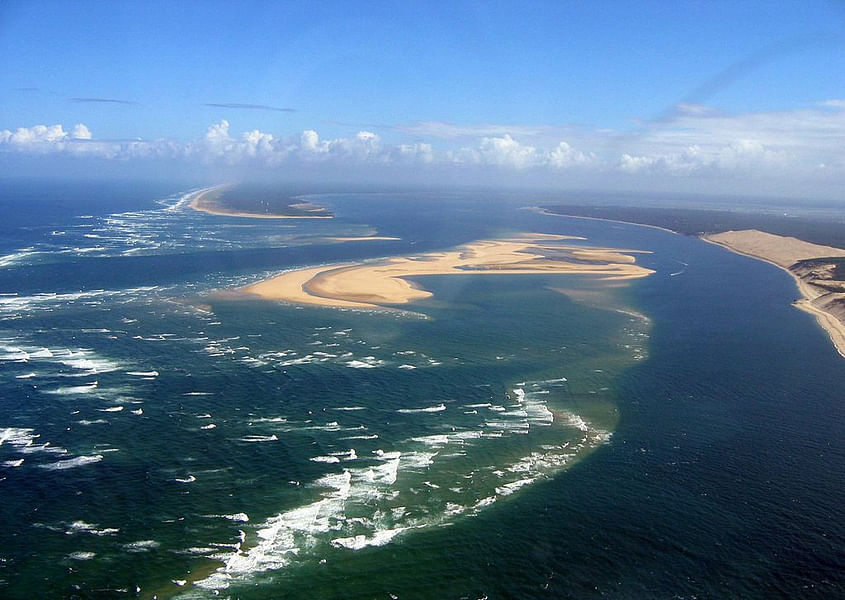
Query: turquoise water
x=514, y=436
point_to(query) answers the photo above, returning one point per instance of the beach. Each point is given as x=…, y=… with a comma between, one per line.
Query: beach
x=370, y=285
x=786, y=252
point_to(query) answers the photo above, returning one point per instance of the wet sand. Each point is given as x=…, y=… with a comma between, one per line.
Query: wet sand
x=372, y=285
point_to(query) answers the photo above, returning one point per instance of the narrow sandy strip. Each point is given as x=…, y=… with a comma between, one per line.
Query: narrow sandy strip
x=783, y=252
x=371, y=285
x=547, y=212
x=366, y=238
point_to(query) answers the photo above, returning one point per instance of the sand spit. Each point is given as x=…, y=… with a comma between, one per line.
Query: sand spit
x=823, y=295
x=206, y=201
x=371, y=285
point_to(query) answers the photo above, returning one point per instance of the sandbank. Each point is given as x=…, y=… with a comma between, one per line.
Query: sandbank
x=785, y=252
x=372, y=285
x=365, y=238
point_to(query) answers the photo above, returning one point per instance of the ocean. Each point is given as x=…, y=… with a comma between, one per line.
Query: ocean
x=528, y=436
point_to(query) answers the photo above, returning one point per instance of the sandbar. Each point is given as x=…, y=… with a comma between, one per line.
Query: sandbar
x=383, y=284
x=820, y=295
x=365, y=238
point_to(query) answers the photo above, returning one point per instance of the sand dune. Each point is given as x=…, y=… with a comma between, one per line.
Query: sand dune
x=822, y=295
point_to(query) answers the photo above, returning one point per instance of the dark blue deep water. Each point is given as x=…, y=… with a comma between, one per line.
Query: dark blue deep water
x=678, y=436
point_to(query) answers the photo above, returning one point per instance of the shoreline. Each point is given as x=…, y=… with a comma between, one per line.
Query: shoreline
x=830, y=323
x=199, y=203
x=373, y=284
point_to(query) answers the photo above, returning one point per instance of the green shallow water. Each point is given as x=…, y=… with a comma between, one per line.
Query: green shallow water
x=514, y=436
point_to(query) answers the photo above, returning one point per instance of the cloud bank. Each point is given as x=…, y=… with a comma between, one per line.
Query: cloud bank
x=799, y=150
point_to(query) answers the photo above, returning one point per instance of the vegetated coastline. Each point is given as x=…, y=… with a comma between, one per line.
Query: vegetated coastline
x=811, y=251
x=255, y=203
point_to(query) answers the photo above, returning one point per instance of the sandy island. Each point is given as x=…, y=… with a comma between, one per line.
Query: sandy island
x=824, y=296
x=371, y=285
x=207, y=201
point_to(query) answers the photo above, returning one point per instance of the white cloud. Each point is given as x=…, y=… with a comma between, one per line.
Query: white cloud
x=442, y=130
x=506, y=152
x=694, y=143
x=38, y=138
x=564, y=156
x=81, y=132
x=418, y=152
x=741, y=156
x=309, y=143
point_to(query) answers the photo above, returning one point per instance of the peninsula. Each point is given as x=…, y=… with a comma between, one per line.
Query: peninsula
x=372, y=285
x=229, y=201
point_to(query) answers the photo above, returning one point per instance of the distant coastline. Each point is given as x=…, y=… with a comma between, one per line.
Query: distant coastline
x=210, y=201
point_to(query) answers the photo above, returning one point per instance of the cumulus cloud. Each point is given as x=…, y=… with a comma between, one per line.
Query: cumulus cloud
x=731, y=159
x=38, y=138
x=81, y=132
x=695, y=142
x=506, y=152
x=564, y=156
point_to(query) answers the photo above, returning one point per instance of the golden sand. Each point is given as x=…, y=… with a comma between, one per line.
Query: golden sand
x=777, y=249
x=784, y=252
x=365, y=238
x=370, y=285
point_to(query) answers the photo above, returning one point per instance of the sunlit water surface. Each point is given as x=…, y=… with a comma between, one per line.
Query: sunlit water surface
x=517, y=436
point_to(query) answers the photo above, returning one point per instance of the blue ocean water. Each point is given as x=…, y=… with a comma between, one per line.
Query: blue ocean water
x=556, y=436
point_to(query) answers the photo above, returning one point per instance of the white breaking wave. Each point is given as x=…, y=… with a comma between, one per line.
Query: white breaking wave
x=429, y=409
x=92, y=528
x=71, y=463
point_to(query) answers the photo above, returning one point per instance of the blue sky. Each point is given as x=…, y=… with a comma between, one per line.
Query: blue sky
x=692, y=93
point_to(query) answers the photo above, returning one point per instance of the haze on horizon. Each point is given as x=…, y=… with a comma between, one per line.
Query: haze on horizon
x=706, y=97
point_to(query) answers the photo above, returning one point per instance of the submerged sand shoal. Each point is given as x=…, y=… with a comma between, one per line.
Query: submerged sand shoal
x=827, y=306
x=371, y=285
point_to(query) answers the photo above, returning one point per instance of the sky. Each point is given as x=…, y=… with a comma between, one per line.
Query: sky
x=707, y=97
